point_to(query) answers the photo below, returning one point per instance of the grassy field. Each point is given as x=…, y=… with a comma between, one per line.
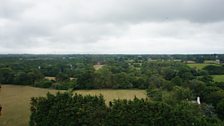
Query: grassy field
x=16, y=101
x=50, y=78
x=218, y=78
x=97, y=67
x=54, y=78
x=199, y=65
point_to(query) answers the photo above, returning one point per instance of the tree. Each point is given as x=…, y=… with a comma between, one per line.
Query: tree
x=180, y=93
x=103, y=78
x=206, y=94
x=138, y=112
x=220, y=109
x=214, y=70
x=65, y=109
x=155, y=94
x=177, y=81
x=85, y=80
x=6, y=76
x=62, y=77
x=156, y=81
x=23, y=78
x=197, y=87
x=121, y=80
x=169, y=73
x=207, y=79
x=215, y=97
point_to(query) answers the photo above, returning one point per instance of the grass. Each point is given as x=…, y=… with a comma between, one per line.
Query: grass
x=218, y=78
x=54, y=78
x=50, y=78
x=97, y=67
x=15, y=101
x=200, y=65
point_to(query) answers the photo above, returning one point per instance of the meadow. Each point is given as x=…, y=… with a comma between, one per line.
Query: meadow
x=218, y=78
x=16, y=101
x=200, y=65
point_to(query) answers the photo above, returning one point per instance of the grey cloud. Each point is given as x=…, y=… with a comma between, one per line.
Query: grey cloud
x=153, y=10
x=111, y=26
x=117, y=10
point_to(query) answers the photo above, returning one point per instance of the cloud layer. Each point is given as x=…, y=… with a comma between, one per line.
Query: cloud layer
x=111, y=26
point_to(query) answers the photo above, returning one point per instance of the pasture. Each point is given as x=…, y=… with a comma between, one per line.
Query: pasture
x=200, y=66
x=15, y=101
x=97, y=67
x=218, y=78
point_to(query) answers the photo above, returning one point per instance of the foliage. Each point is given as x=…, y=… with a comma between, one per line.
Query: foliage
x=166, y=80
x=220, y=109
x=64, y=85
x=67, y=110
x=62, y=77
x=214, y=70
x=76, y=110
x=43, y=84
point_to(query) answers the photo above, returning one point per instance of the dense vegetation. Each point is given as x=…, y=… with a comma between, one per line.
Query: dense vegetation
x=68, y=110
x=215, y=70
x=118, y=71
x=171, y=85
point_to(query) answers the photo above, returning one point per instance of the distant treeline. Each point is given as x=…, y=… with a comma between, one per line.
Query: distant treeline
x=198, y=58
x=118, y=71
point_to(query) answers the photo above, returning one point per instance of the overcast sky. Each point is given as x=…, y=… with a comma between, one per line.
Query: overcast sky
x=112, y=26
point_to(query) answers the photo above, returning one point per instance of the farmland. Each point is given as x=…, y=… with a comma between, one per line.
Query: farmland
x=16, y=101
x=218, y=78
x=200, y=66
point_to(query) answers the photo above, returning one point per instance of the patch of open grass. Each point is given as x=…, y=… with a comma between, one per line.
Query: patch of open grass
x=50, y=78
x=218, y=78
x=200, y=65
x=97, y=67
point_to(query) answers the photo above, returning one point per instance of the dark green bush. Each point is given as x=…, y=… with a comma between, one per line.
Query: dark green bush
x=43, y=84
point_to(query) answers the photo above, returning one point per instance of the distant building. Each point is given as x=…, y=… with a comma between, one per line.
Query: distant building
x=198, y=100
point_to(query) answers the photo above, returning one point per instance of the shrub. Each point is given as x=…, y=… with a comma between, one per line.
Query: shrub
x=43, y=84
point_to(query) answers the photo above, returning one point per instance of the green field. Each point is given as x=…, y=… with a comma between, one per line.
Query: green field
x=218, y=78
x=15, y=101
x=200, y=65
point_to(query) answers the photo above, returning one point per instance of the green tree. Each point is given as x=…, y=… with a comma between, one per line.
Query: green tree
x=180, y=93
x=65, y=109
x=103, y=78
x=220, y=109
x=6, y=76
x=85, y=80
x=177, y=81
x=121, y=80
x=62, y=77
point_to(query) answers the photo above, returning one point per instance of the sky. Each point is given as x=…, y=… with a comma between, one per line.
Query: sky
x=111, y=26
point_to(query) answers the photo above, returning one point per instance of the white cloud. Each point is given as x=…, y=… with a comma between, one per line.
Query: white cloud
x=111, y=26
